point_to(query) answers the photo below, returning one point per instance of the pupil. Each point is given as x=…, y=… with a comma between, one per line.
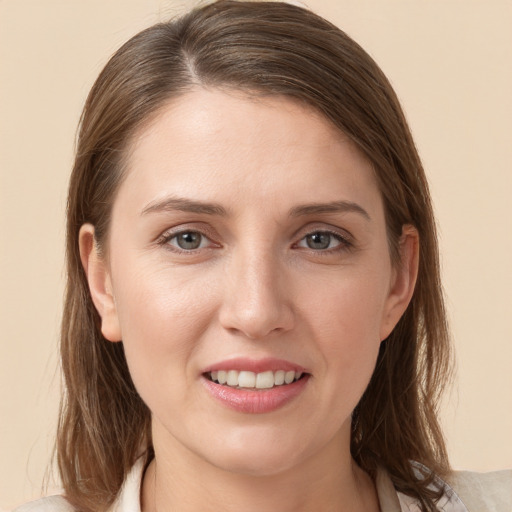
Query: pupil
x=189, y=240
x=319, y=240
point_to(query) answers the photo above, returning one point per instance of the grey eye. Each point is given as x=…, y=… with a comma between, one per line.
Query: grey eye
x=319, y=240
x=188, y=240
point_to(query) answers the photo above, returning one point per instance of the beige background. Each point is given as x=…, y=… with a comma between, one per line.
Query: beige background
x=451, y=63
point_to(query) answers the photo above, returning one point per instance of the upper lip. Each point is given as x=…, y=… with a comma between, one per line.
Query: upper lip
x=255, y=365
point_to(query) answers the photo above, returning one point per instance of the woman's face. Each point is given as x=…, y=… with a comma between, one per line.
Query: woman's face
x=248, y=243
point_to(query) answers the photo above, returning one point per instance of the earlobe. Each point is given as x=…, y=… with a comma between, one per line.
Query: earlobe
x=100, y=284
x=404, y=280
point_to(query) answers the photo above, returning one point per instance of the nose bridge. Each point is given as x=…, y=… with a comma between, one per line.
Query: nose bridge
x=256, y=301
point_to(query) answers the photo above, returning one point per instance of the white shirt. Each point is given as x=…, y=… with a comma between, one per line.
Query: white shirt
x=490, y=490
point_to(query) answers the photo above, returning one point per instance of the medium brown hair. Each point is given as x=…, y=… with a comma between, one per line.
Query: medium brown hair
x=266, y=49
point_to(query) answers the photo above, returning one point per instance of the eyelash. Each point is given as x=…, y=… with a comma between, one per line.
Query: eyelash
x=345, y=244
x=166, y=238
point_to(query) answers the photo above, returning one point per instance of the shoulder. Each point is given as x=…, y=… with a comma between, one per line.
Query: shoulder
x=465, y=491
x=48, y=504
x=491, y=492
x=128, y=499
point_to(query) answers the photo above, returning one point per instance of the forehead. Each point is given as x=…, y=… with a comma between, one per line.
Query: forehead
x=212, y=143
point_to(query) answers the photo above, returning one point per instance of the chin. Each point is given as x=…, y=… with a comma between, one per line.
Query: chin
x=259, y=455
x=260, y=466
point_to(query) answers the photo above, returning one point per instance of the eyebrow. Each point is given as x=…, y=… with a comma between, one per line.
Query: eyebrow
x=185, y=205
x=332, y=207
x=188, y=205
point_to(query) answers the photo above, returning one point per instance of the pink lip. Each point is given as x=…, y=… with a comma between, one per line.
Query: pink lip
x=254, y=365
x=258, y=401
x=254, y=401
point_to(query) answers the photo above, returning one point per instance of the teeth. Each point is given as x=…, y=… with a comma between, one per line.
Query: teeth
x=248, y=380
x=279, y=377
x=232, y=378
x=288, y=377
x=265, y=380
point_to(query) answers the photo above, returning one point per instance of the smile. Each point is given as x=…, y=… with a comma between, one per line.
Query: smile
x=251, y=380
x=268, y=397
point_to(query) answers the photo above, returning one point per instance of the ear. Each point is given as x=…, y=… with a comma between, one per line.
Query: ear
x=403, y=280
x=100, y=284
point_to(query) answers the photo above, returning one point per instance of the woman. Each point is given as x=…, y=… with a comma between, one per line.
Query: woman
x=254, y=316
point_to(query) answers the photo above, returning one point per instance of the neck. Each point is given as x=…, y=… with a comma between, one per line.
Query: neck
x=183, y=482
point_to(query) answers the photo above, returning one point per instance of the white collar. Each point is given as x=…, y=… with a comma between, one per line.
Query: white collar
x=390, y=500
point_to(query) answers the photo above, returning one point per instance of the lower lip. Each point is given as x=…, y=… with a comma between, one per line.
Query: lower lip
x=257, y=401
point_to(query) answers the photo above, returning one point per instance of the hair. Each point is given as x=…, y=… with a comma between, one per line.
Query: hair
x=267, y=49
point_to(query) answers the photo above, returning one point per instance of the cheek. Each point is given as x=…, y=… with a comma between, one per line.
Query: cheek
x=349, y=340
x=346, y=322
x=162, y=322
x=350, y=308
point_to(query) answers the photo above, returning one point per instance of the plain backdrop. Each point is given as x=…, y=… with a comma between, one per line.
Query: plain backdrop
x=451, y=64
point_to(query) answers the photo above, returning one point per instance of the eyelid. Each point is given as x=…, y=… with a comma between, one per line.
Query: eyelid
x=318, y=227
x=345, y=238
x=173, y=232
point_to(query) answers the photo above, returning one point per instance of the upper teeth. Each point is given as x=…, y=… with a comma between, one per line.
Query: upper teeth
x=263, y=380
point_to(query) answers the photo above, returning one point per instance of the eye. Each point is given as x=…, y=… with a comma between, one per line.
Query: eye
x=322, y=240
x=188, y=240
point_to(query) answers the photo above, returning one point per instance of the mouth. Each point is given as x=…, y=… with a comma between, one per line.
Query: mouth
x=255, y=386
x=249, y=380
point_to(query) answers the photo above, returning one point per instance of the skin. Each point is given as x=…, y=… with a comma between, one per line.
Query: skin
x=253, y=288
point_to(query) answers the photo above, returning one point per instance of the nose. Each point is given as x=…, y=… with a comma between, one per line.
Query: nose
x=257, y=298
